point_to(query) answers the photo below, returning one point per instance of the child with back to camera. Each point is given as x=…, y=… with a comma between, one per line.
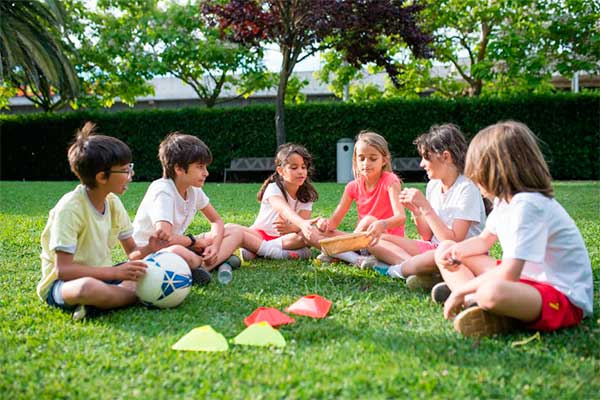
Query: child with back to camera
x=171, y=203
x=375, y=190
x=84, y=226
x=452, y=208
x=286, y=199
x=544, y=280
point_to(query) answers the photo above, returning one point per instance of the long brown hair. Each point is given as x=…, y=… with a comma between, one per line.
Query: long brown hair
x=307, y=192
x=505, y=159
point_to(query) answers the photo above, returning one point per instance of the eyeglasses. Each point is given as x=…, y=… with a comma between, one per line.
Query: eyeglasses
x=129, y=171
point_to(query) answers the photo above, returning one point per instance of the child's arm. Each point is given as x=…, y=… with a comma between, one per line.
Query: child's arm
x=474, y=246
x=283, y=226
x=216, y=229
x=331, y=223
x=414, y=200
x=509, y=270
x=68, y=270
x=285, y=211
x=398, y=219
x=156, y=242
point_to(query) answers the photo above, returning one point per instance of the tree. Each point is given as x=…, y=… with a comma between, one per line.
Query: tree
x=302, y=27
x=182, y=46
x=32, y=55
x=491, y=48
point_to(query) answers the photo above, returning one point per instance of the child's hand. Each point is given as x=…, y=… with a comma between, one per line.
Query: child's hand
x=283, y=226
x=450, y=258
x=130, y=271
x=453, y=305
x=322, y=224
x=158, y=240
x=414, y=200
x=307, y=228
x=209, y=256
x=375, y=230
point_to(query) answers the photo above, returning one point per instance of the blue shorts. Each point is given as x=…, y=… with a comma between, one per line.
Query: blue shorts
x=55, y=299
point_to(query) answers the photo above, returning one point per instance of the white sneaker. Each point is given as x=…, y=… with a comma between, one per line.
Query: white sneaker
x=395, y=271
x=300, y=254
x=80, y=312
x=365, y=262
x=325, y=259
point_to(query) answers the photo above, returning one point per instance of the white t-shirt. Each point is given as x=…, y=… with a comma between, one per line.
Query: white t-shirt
x=162, y=202
x=462, y=201
x=537, y=229
x=267, y=214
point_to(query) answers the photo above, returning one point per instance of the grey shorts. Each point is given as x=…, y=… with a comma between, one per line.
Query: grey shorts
x=55, y=298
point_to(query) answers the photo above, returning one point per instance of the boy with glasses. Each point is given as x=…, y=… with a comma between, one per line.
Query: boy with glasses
x=85, y=225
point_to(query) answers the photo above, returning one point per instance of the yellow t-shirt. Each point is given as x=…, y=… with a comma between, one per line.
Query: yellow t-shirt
x=75, y=226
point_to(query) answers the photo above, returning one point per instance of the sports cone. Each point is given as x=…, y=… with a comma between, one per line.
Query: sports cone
x=272, y=316
x=311, y=306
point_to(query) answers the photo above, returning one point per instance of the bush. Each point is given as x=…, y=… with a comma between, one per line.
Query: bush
x=34, y=145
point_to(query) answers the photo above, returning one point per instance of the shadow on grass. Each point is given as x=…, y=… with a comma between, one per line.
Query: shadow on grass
x=367, y=308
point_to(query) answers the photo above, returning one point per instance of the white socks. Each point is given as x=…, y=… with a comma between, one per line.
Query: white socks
x=273, y=249
x=349, y=256
x=395, y=271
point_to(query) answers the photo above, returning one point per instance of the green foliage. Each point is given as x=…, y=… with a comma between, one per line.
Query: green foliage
x=33, y=56
x=566, y=124
x=379, y=341
x=492, y=48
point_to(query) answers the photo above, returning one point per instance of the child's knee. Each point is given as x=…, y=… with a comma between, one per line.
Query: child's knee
x=76, y=291
x=441, y=250
x=489, y=295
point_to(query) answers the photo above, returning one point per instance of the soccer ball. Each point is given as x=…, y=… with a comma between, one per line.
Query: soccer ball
x=167, y=281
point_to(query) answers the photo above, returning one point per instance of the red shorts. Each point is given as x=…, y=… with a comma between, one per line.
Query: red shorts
x=424, y=246
x=265, y=235
x=557, y=311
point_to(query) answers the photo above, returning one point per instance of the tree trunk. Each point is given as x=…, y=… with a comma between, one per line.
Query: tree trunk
x=280, y=109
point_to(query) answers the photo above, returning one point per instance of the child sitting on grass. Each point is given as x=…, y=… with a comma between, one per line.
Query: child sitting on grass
x=171, y=203
x=452, y=208
x=544, y=280
x=85, y=225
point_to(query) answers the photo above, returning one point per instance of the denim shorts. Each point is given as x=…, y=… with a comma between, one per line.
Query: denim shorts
x=55, y=298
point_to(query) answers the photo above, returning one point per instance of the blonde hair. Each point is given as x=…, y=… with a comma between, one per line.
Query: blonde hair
x=379, y=143
x=505, y=159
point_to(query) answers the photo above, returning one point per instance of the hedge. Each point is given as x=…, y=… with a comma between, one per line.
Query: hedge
x=34, y=145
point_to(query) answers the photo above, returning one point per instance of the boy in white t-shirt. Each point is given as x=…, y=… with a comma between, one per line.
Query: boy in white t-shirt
x=171, y=203
x=544, y=280
x=85, y=225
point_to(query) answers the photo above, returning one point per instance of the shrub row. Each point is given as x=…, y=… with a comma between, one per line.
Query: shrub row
x=34, y=145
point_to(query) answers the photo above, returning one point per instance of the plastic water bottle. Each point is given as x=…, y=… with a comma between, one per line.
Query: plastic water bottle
x=224, y=274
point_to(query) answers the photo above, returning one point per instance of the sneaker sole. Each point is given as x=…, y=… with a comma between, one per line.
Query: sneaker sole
x=440, y=293
x=476, y=322
x=200, y=276
x=422, y=282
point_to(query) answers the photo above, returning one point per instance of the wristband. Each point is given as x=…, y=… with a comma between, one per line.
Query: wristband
x=192, y=238
x=384, y=224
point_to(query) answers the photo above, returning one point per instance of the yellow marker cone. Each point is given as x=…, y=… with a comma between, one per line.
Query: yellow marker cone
x=204, y=338
x=260, y=334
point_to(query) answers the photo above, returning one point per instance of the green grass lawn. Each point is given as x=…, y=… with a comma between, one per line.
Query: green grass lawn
x=379, y=340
